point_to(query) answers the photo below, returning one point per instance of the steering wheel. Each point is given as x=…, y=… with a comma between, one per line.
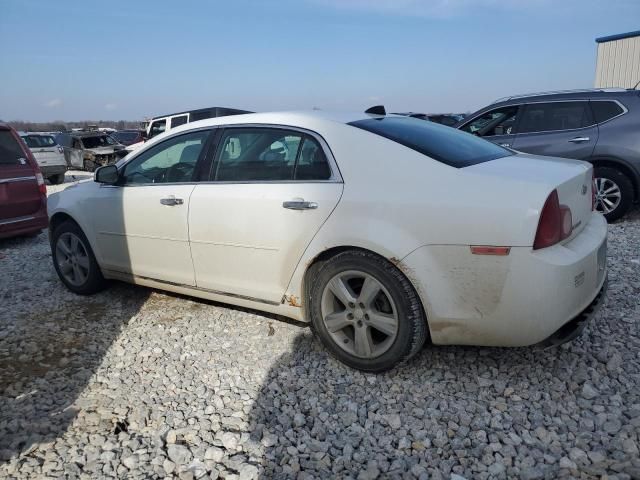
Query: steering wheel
x=179, y=172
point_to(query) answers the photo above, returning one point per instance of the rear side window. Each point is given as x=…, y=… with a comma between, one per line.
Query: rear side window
x=605, y=110
x=10, y=150
x=554, y=116
x=444, y=144
x=269, y=154
x=177, y=121
x=39, y=141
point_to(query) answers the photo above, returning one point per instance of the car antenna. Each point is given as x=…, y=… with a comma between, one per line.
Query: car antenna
x=376, y=110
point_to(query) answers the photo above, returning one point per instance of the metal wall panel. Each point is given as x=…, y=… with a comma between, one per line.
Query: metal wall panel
x=618, y=63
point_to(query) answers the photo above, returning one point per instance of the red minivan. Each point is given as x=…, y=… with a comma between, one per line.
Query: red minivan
x=23, y=194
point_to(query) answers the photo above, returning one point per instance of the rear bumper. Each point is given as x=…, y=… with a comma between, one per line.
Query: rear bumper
x=574, y=327
x=50, y=170
x=519, y=299
x=13, y=227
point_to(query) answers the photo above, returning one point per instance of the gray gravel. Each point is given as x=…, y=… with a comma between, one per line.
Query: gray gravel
x=136, y=383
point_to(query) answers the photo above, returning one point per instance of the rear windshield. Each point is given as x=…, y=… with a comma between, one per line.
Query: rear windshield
x=444, y=144
x=10, y=150
x=39, y=141
x=126, y=136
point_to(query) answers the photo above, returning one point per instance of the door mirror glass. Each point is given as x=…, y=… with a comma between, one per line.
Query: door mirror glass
x=107, y=175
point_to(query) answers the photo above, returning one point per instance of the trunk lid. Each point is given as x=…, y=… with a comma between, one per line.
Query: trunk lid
x=571, y=178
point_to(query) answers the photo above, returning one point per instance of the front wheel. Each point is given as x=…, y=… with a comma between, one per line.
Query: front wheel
x=74, y=260
x=614, y=192
x=366, y=312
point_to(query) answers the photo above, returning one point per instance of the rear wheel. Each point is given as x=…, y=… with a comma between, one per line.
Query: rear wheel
x=74, y=260
x=57, y=179
x=614, y=192
x=366, y=312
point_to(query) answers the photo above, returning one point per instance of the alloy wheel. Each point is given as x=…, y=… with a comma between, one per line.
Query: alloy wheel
x=359, y=314
x=608, y=195
x=72, y=259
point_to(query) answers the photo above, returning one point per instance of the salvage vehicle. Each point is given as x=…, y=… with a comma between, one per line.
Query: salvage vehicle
x=23, y=194
x=380, y=230
x=48, y=154
x=596, y=125
x=88, y=150
x=162, y=123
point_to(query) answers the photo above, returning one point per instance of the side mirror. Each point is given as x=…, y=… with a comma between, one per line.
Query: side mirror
x=107, y=175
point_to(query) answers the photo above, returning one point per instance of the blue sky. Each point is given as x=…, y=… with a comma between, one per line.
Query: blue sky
x=125, y=59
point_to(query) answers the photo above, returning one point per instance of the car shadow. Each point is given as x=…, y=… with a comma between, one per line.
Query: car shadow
x=51, y=343
x=314, y=415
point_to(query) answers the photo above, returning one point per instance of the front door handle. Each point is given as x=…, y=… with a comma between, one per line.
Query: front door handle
x=579, y=139
x=171, y=200
x=300, y=205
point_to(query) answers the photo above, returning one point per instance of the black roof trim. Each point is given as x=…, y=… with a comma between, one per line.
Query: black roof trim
x=235, y=111
x=619, y=36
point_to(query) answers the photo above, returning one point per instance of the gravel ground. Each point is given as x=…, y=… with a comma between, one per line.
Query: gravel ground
x=141, y=384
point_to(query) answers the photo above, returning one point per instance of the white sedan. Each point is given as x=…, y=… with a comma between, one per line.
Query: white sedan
x=382, y=231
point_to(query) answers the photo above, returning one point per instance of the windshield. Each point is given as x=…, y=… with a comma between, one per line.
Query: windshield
x=98, y=141
x=444, y=144
x=39, y=141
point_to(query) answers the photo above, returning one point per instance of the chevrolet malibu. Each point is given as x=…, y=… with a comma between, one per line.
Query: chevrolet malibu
x=381, y=231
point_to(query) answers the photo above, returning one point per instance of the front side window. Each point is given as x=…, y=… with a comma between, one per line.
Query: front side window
x=500, y=121
x=157, y=127
x=444, y=144
x=554, y=116
x=173, y=160
x=254, y=154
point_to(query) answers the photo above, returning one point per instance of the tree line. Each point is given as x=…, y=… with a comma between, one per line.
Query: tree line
x=61, y=126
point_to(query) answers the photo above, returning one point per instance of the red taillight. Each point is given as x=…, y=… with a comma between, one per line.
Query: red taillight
x=41, y=185
x=556, y=223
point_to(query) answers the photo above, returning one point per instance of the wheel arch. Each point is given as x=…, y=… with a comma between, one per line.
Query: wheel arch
x=316, y=262
x=624, y=167
x=58, y=219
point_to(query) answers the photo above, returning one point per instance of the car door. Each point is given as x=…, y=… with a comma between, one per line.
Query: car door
x=141, y=223
x=558, y=129
x=270, y=190
x=20, y=196
x=497, y=125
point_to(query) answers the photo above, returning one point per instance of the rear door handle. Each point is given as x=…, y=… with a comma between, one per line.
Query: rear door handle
x=300, y=205
x=579, y=139
x=171, y=200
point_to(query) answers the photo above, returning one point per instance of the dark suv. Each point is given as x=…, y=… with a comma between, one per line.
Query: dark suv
x=601, y=126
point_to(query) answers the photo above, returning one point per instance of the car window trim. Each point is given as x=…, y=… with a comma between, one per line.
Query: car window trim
x=520, y=106
x=197, y=170
x=625, y=110
x=336, y=176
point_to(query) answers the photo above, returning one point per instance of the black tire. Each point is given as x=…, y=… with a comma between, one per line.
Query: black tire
x=412, y=324
x=626, y=190
x=95, y=282
x=57, y=179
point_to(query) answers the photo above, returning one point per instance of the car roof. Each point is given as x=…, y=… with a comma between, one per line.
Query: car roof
x=568, y=95
x=303, y=118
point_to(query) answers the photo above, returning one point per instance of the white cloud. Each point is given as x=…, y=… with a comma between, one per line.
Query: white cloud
x=110, y=106
x=54, y=102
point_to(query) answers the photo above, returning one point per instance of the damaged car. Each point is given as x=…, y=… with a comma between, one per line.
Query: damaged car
x=88, y=150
